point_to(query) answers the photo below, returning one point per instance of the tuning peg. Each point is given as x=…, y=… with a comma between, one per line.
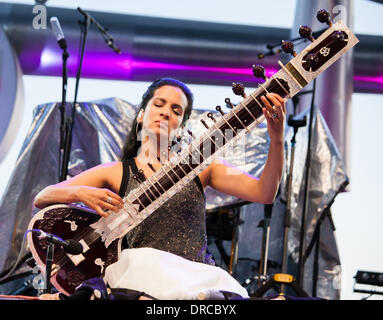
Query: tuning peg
x=229, y=104
x=210, y=116
x=259, y=71
x=190, y=133
x=339, y=37
x=311, y=60
x=306, y=33
x=204, y=123
x=288, y=47
x=137, y=177
x=219, y=109
x=142, y=175
x=323, y=16
x=239, y=89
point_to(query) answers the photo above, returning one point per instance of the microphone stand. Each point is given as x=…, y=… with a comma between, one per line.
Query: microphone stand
x=104, y=31
x=109, y=40
x=63, y=124
x=271, y=47
x=306, y=191
x=70, y=122
x=262, y=277
x=296, y=124
x=48, y=268
x=268, y=208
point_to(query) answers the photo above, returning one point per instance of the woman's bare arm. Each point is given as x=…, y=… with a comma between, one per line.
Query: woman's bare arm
x=92, y=187
x=225, y=178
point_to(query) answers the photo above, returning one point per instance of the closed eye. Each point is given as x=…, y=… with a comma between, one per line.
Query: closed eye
x=177, y=110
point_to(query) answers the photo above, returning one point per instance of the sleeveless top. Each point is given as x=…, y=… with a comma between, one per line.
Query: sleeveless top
x=178, y=226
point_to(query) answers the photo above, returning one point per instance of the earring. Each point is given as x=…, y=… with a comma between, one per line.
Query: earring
x=137, y=128
x=137, y=124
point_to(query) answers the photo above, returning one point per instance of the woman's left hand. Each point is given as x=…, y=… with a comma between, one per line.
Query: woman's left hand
x=275, y=113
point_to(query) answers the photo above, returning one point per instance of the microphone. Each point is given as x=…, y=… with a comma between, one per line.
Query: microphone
x=58, y=32
x=104, y=31
x=70, y=246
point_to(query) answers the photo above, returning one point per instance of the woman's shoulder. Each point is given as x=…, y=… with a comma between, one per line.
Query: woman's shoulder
x=105, y=170
x=113, y=164
x=111, y=174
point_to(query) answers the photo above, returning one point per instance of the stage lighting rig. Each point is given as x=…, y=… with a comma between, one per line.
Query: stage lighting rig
x=368, y=278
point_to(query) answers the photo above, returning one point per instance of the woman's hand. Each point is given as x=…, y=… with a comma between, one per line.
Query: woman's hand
x=275, y=113
x=99, y=199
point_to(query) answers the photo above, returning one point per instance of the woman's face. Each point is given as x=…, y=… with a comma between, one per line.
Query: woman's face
x=164, y=113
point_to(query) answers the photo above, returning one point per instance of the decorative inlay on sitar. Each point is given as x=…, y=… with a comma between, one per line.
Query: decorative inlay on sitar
x=101, y=236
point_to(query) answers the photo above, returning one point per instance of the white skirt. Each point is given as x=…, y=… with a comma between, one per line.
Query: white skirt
x=166, y=276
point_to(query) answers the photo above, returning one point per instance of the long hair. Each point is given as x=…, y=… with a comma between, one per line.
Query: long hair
x=132, y=143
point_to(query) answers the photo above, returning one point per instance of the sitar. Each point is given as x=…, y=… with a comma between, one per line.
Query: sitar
x=101, y=236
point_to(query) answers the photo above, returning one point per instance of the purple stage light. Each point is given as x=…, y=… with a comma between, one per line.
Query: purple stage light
x=369, y=79
x=220, y=70
x=112, y=66
x=124, y=67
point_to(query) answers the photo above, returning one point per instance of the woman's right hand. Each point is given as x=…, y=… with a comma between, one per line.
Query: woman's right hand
x=99, y=199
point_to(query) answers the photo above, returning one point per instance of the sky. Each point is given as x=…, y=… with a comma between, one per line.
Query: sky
x=357, y=214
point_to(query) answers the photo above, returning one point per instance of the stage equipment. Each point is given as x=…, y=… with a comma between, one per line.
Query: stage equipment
x=265, y=281
x=268, y=209
x=296, y=124
x=70, y=246
x=369, y=278
x=222, y=224
x=64, y=123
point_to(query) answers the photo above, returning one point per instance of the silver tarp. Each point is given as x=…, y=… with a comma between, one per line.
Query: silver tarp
x=100, y=129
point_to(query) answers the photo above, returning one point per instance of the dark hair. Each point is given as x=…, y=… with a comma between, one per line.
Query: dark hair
x=132, y=144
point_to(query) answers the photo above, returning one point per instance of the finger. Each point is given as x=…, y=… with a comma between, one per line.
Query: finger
x=281, y=101
x=278, y=110
x=114, y=196
x=267, y=114
x=110, y=204
x=278, y=97
x=278, y=107
x=267, y=104
x=273, y=99
x=270, y=110
x=101, y=212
